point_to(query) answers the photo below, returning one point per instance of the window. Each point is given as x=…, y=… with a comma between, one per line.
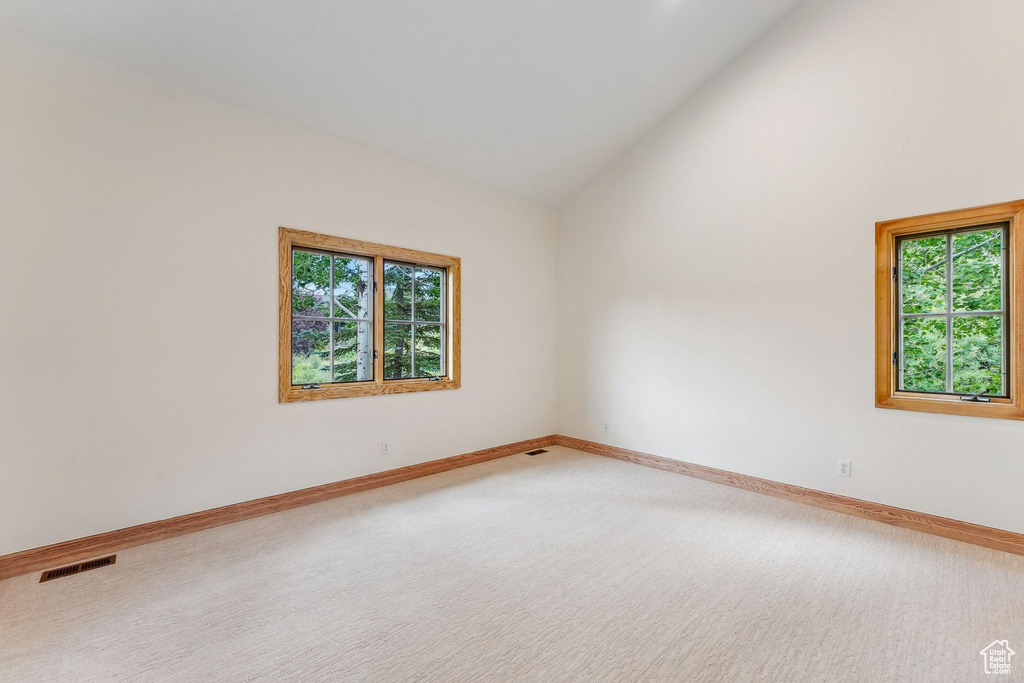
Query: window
x=332, y=318
x=414, y=329
x=361, y=319
x=947, y=313
x=952, y=327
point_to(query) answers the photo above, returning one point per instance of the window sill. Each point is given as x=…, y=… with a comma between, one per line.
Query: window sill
x=297, y=394
x=1000, y=408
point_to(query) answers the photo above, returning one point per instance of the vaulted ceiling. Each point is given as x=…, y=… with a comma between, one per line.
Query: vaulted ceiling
x=530, y=97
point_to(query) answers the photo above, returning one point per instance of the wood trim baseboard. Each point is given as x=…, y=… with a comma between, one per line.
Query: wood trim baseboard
x=69, y=552
x=988, y=537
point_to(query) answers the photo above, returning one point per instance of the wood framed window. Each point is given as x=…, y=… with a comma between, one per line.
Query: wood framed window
x=363, y=319
x=948, y=313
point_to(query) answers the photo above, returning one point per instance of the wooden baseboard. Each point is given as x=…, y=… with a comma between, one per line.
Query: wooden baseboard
x=975, y=534
x=69, y=552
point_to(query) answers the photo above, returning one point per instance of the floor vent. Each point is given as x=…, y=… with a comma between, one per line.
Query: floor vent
x=78, y=568
x=536, y=452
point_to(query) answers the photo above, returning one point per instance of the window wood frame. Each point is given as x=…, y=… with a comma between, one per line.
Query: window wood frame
x=887, y=234
x=289, y=239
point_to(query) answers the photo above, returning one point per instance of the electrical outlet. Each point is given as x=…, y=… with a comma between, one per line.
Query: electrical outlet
x=609, y=427
x=843, y=468
x=385, y=448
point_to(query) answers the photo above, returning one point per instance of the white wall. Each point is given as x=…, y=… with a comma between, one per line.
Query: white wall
x=716, y=283
x=138, y=294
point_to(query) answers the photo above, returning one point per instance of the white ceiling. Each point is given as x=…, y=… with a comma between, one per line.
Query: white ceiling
x=531, y=97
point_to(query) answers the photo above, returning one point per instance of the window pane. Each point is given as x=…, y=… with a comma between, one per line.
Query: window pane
x=397, y=351
x=352, y=287
x=429, y=284
x=429, y=342
x=923, y=267
x=397, y=291
x=352, y=352
x=311, y=281
x=923, y=361
x=977, y=266
x=978, y=354
x=311, y=353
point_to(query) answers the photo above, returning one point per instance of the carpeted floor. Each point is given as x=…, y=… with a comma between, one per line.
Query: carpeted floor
x=559, y=567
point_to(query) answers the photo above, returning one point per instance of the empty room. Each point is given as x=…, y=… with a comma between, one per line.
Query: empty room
x=512, y=340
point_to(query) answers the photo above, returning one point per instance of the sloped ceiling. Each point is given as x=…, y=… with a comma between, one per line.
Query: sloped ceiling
x=530, y=97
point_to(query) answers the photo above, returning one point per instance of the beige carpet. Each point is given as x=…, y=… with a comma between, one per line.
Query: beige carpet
x=559, y=567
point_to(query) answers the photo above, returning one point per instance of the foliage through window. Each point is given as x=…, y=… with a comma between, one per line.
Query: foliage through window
x=952, y=318
x=332, y=327
x=413, y=321
x=362, y=319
